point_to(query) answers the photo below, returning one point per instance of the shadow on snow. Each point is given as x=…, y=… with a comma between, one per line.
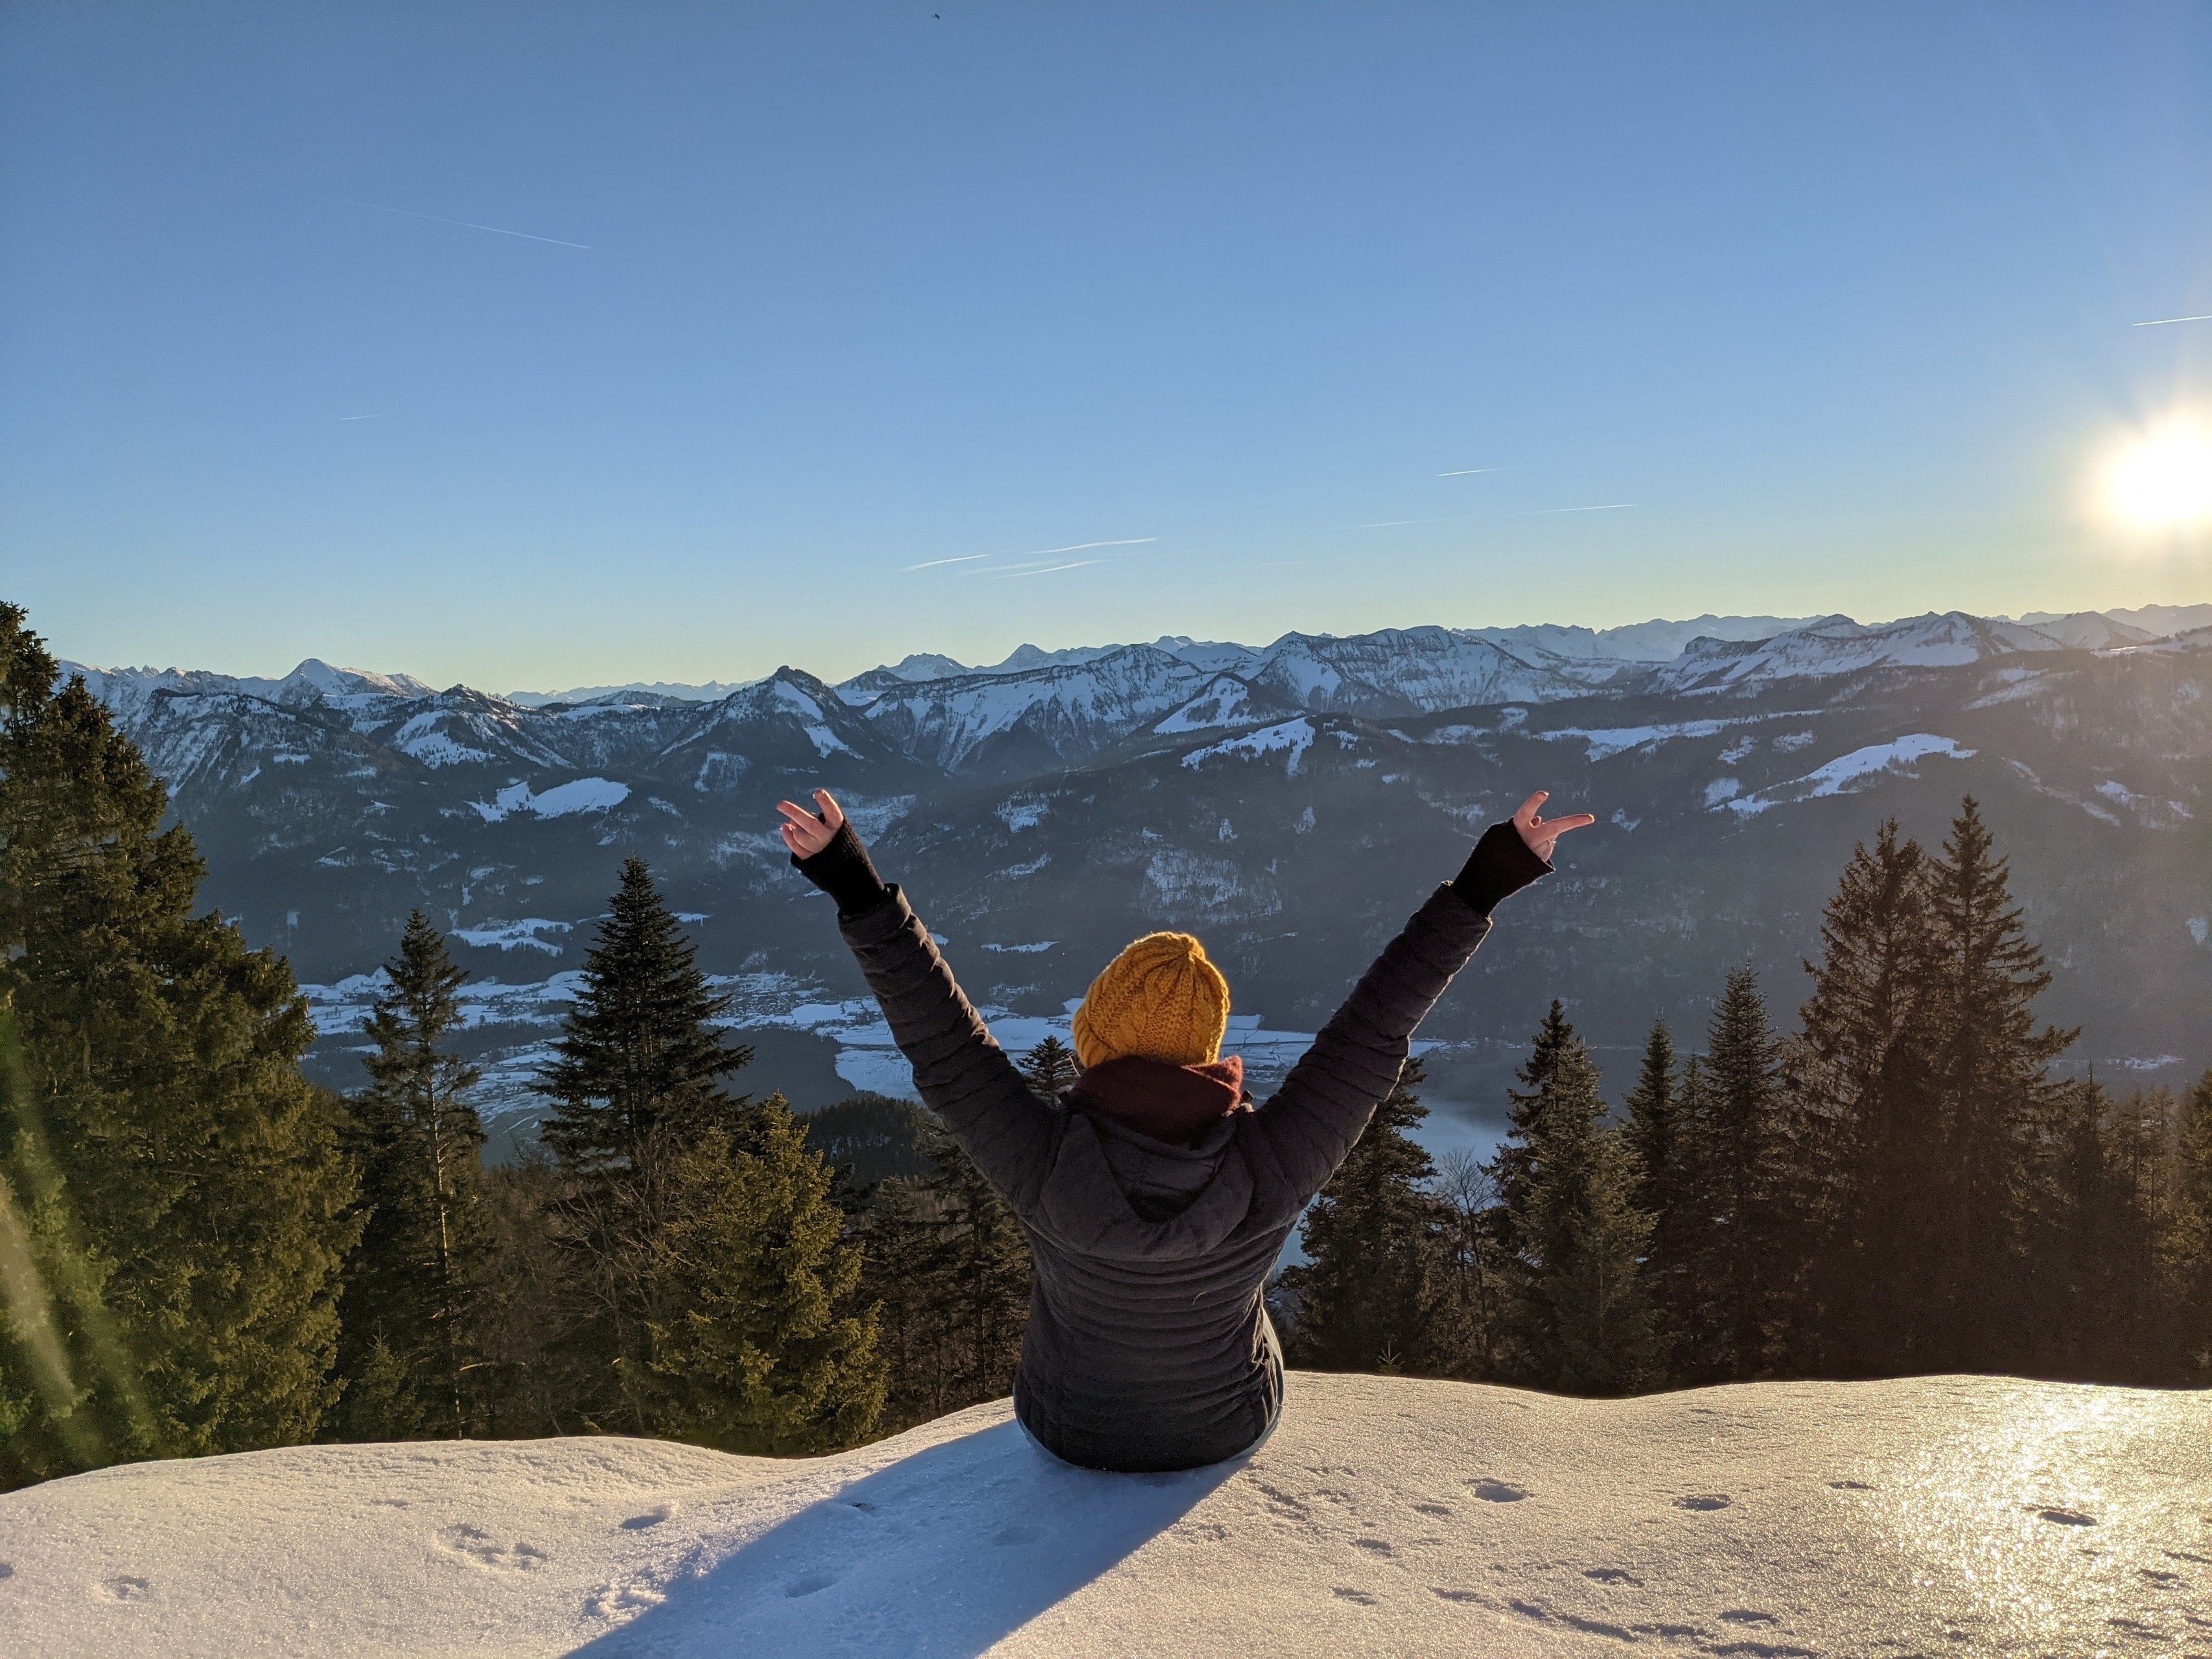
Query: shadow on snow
x=936, y=1556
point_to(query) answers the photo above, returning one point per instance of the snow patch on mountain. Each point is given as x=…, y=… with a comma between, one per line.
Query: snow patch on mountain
x=1291, y=738
x=527, y=934
x=2149, y=810
x=578, y=795
x=1605, y=741
x=1852, y=772
x=424, y=738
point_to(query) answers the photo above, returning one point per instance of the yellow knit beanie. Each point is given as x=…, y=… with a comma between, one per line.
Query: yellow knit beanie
x=1160, y=999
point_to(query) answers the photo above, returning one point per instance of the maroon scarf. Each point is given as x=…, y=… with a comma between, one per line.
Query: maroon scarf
x=1175, y=1103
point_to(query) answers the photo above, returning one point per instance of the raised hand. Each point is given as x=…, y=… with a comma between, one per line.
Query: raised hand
x=806, y=832
x=1538, y=835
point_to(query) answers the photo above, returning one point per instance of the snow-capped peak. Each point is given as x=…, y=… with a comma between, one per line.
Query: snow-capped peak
x=1838, y=645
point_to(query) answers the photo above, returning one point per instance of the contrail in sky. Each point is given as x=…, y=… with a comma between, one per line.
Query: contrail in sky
x=1602, y=507
x=357, y=417
x=1081, y=547
x=1034, y=556
x=1076, y=564
x=1392, y=524
x=1466, y=471
x=2160, y=322
x=465, y=224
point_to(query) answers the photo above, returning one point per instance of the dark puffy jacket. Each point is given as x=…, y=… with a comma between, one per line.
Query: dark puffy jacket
x=1149, y=1346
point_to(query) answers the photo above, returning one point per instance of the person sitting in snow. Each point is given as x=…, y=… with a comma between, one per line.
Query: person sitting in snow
x=1156, y=1200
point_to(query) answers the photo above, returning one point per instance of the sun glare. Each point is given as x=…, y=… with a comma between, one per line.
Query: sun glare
x=2162, y=480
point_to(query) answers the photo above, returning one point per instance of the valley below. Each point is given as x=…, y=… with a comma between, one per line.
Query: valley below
x=1290, y=804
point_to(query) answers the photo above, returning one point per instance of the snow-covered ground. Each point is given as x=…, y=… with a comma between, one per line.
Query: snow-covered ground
x=1969, y=1515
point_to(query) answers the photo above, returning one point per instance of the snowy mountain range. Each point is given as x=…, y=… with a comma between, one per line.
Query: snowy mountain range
x=1290, y=802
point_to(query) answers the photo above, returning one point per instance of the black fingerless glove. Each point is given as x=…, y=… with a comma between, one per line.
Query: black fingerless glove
x=1500, y=865
x=842, y=870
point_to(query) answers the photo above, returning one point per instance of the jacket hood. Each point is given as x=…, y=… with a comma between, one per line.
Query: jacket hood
x=1175, y=1103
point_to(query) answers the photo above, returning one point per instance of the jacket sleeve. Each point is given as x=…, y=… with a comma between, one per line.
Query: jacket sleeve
x=964, y=1075
x=1313, y=1120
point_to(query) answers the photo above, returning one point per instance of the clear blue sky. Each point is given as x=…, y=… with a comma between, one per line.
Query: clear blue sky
x=1839, y=296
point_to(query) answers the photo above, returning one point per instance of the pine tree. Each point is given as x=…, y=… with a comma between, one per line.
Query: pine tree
x=418, y=1280
x=754, y=1349
x=1651, y=1137
x=1678, y=1227
x=947, y=1269
x=1860, y=1077
x=1510, y=1169
x=913, y=1311
x=977, y=1262
x=1582, y=1320
x=1993, y=1094
x=2188, y=1233
x=635, y=1082
x=639, y=1062
x=1362, y=1294
x=174, y=1180
x=1050, y=1068
x=1650, y=1128
x=523, y=1331
x=2096, y=1312
x=1468, y=1305
x=1738, y=1251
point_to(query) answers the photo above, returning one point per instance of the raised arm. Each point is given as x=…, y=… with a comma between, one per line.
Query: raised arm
x=962, y=1074
x=1313, y=1120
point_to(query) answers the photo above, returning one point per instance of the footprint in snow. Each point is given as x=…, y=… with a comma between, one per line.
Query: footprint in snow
x=1346, y=1593
x=614, y=1601
x=651, y=1517
x=1379, y=1545
x=1431, y=1509
x=1498, y=1492
x=1850, y=1486
x=1704, y=1503
x=812, y=1584
x=479, y=1546
x=2064, y=1517
x=127, y=1589
x=1016, y=1534
x=1613, y=1576
x=1749, y=1616
x=6, y=1571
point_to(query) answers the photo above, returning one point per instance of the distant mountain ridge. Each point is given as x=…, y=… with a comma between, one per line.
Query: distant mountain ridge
x=1290, y=802
x=1656, y=641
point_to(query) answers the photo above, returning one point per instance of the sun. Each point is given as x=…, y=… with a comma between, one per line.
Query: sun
x=2162, y=479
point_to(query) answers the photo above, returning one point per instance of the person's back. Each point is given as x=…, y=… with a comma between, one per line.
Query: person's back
x=1156, y=1198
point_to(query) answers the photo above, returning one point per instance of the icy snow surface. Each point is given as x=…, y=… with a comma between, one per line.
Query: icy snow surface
x=1964, y=1516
